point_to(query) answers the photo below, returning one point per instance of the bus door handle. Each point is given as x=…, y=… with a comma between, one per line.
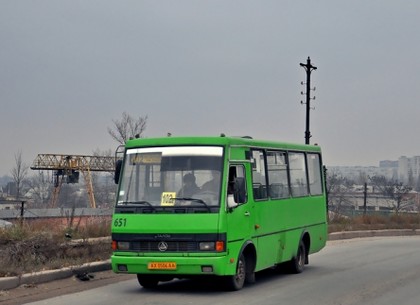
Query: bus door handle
x=247, y=213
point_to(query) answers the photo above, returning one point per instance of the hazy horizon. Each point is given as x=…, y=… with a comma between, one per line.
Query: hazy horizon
x=68, y=68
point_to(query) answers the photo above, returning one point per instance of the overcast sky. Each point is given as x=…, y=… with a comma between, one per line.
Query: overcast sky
x=68, y=68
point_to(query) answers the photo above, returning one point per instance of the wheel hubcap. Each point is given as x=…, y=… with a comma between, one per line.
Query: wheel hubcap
x=240, y=274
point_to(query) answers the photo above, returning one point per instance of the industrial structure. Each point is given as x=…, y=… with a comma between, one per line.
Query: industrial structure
x=68, y=167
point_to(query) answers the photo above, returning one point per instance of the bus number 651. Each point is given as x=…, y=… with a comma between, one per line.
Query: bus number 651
x=120, y=222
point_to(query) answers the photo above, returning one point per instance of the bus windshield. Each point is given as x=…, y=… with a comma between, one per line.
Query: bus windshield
x=171, y=176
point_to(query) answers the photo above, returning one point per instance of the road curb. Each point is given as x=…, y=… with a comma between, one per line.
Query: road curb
x=52, y=275
x=372, y=233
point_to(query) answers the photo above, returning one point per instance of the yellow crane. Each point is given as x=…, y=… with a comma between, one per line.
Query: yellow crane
x=69, y=166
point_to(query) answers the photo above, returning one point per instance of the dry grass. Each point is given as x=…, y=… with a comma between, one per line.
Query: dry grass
x=374, y=222
x=38, y=246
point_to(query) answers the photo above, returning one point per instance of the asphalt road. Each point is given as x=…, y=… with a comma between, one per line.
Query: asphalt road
x=358, y=271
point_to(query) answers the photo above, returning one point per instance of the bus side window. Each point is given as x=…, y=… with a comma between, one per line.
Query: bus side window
x=314, y=173
x=298, y=177
x=259, y=181
x=277, y=174
x=237, y=184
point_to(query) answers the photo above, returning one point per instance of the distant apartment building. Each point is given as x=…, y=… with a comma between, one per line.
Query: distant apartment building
x=409, y=169
x=358, y=173
x=405, y=169
x=388, y=164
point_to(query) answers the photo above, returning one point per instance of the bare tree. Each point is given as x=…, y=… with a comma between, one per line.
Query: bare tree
x=337, y=189
x=394, y=190
x=103, y=183
x=40, y=188
x=127, y=127
x=19, y=173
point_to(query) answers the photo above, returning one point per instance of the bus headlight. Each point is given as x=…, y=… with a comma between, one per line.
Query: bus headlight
x=207, y=246
x=218, y=246
x=123, y=245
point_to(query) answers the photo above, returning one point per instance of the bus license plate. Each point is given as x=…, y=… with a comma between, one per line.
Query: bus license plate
x=161, y=266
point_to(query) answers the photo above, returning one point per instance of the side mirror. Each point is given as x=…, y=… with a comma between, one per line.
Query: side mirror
x=118, y=165
x=239, y=190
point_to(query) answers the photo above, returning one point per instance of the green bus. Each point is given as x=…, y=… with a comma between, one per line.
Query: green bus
x=216, y=206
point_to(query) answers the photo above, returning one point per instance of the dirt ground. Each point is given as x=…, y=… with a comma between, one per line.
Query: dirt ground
x=31, y=293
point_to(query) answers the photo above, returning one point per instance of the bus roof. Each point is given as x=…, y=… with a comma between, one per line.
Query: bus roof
x=219, y=141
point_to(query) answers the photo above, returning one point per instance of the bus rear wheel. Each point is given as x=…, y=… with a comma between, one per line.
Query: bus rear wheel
x=147, y=281
x=297, y=263
x=236, y=281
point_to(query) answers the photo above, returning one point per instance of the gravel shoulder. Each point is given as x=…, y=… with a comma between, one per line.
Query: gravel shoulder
x=37, y=292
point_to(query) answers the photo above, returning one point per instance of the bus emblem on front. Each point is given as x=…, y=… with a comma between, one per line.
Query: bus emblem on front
x=162, y=246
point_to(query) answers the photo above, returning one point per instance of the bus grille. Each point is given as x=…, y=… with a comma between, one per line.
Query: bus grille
x=173, y=246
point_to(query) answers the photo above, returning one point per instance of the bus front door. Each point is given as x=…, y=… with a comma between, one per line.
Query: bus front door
x=240, y=220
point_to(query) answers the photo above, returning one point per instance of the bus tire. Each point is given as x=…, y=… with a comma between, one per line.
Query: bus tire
x=297, y=263
x=147, y=281
x=236, y=281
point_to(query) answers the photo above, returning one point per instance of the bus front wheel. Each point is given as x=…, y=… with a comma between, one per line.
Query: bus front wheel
x=147, y=281
x=236, y=281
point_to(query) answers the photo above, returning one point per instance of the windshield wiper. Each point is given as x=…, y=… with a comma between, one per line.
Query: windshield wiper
x=193, y=199
x=140, y=202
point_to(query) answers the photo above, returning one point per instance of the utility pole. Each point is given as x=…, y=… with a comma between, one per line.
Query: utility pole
x=22, y=211
x=364, y=199
x=308, y=68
